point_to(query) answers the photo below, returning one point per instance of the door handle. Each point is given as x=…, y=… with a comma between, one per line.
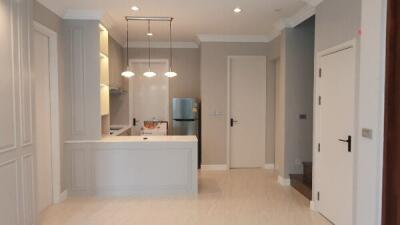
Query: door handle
x=233, y=121
x=135, y=121
x=348, y=141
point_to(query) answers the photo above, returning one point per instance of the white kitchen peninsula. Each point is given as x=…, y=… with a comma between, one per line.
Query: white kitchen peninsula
x=132, y=166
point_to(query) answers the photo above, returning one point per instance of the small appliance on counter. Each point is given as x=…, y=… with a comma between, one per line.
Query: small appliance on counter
x=154, y=128
x=186, y=119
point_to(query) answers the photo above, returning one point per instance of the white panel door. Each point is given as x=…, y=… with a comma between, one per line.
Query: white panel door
x=149, y=96
x=17, y=200
x=43, y=120
x=336, y=122
x=248, y=82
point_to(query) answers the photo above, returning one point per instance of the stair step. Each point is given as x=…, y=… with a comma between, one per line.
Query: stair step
x=301, y=184
x=307, y=171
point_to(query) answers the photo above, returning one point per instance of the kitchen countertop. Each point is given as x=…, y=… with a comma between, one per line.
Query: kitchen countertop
x=122, y=129
x=143, y=139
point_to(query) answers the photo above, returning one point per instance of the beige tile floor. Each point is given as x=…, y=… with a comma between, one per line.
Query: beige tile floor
x=237, y=197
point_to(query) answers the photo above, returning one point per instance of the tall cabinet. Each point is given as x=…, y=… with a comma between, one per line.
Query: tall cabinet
x=86, y=88
x=17, y=133
x=104, y=81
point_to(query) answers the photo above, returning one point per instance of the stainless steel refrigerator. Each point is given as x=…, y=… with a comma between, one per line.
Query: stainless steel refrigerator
x=186, y=119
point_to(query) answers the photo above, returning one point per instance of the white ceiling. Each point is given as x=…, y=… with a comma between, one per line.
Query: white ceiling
x=192, y=17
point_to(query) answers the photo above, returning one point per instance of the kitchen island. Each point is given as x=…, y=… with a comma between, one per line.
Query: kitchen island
x=132, y=166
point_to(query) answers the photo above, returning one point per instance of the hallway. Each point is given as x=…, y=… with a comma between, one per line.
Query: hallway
x=236, y=197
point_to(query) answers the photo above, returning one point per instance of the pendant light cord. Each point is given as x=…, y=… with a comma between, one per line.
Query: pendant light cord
x=127, y=43
x=148, y=38
x=170, y=45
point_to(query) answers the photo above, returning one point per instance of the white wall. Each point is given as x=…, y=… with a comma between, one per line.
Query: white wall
x=371, y=107
x=337, y=21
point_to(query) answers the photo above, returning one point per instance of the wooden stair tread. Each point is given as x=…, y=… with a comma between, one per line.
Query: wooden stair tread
x=301, y=184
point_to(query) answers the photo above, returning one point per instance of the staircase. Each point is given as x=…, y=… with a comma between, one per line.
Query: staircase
x=303, y=182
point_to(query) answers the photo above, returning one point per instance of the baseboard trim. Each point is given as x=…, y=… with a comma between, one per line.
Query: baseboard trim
x=63, y=196
x=312, y=206
x=216, y=167
x=269, y=166
x=284, y=181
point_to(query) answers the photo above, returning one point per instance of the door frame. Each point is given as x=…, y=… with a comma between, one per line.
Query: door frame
x=54, y=111
x=316, y=134
x=133, y=61
x=228, y=105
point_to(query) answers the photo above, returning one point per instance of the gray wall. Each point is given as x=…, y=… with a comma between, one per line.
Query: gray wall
x=50, y=20
x=214, y=58
x=274, y=48
x=337, y=21
x=299, y=87
x=186, y=62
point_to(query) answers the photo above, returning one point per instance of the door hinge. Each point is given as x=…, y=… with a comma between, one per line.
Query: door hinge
x=320, y=72
x=318, y=196
x=319, y=100
x=319, y=147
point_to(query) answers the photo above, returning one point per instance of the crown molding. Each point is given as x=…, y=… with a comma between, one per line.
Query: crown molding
x=313, y=3
x=77, y=14
x=302, y=15
x=162, y=44
x=234, y=38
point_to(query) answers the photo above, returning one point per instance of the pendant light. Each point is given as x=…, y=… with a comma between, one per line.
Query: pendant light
x=128, y=72
x=149, y=73
x=170, y=73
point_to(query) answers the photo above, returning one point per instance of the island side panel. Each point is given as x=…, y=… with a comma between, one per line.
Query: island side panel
x=132, y=168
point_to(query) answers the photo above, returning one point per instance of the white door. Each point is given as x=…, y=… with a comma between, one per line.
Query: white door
x=43, y=119
x=335, y=124
x=248, y=111
x=149, y=97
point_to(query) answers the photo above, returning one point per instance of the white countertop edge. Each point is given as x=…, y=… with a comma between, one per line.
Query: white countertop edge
x=138, y=139
x=122, y=129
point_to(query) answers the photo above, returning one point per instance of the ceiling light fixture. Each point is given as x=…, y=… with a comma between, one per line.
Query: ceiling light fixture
x=135, y=8
x=128, y=72
x=170, y=73
x=149, y=73
x=237, y=10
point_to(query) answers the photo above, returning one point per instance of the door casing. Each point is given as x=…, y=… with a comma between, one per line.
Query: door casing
x=54, y=110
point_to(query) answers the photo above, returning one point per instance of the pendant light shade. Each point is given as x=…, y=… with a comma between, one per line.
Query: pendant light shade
x=128, y=72
x=149, y=73
x=170, y=73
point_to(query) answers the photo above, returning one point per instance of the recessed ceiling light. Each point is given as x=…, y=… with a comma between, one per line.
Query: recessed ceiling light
x=237, y=10
x=149, y=34
x=135, y=8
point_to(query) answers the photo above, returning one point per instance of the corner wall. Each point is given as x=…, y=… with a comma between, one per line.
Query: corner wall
x=298, y=72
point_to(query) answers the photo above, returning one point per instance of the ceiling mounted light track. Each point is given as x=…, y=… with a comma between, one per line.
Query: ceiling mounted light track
x=170, y=73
